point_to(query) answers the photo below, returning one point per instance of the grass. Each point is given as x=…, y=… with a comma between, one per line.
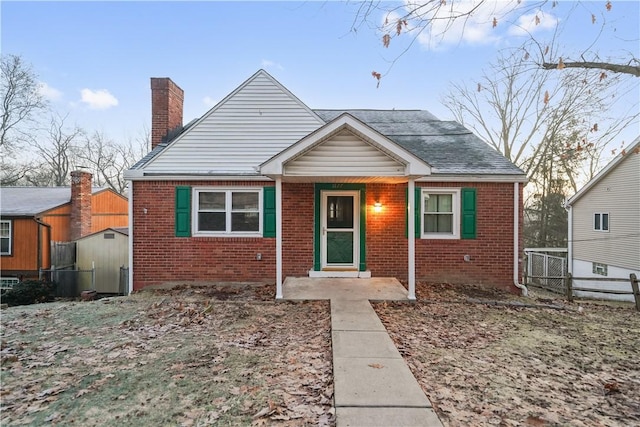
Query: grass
x=166, y=359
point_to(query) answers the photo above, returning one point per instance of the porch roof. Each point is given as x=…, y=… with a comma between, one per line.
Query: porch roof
x=345, y=149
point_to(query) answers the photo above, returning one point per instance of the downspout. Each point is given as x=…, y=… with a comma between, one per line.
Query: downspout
x=130, y=244
x=516, y=242
x=569, y=210
x=39, y=257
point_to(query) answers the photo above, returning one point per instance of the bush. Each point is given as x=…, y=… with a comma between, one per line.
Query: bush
x=29, y=292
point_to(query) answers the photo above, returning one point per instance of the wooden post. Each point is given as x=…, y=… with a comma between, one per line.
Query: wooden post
x=636, y=292
x=568, y=287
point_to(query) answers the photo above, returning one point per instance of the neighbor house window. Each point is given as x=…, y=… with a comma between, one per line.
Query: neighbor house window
x=227, y=211
x=600, y=269
x=441, y=213
x=8, y=282
x=601, y=221
x=5, y=237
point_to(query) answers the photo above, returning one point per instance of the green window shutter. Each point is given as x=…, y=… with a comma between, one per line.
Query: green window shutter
x=183, y=211
x=468, y=213
x=416, y=211
x=269, y=212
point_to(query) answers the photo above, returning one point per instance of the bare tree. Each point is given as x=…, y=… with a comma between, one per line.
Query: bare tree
x=108, y=160
x=522, y=112
x=20, y=102
x=433, y=21
x=556, y=127
x=57, y=152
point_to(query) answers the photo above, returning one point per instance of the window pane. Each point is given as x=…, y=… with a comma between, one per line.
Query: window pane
x=439, y=203
x=244, y=201
x=211, y=201
x=4, y=246
x=445, y=203
x=340, y=212
x=431, y=204
x=211, y=221
x=430, y=223
x=4, y=229
x=245, y=221
x=596, y=222
x=605, y=222
x=445, y=223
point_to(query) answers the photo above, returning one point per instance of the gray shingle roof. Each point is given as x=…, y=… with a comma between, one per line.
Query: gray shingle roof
x=446, y=145
x=30, y=201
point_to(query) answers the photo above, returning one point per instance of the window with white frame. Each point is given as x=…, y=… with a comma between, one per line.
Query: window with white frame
x=441, y=213
x=5, y=237
x=8, y=282
x=601, y=221
x=600, y=269
x=227, y=211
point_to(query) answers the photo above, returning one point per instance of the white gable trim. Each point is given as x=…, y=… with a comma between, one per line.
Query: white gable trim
x=633, y=148
x=414, y=166
x=204, y=117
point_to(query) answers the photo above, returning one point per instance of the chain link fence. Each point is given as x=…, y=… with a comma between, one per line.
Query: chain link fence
x=546, y=271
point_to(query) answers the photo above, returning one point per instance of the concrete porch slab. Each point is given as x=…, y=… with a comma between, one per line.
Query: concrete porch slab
x=385, y=417
x=373, y=289
x=376, y=382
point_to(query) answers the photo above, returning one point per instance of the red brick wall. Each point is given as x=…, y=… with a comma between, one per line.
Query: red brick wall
x=297, y=229
x=160, y=257
x=442, y=260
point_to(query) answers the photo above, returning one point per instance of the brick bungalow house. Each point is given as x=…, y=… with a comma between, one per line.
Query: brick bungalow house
x=261, y=187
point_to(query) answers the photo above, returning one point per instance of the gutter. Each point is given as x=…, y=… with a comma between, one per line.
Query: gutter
x=516, y=249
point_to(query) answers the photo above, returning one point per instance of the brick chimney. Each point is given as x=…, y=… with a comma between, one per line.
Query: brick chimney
x=80, y=204
x=166, y=109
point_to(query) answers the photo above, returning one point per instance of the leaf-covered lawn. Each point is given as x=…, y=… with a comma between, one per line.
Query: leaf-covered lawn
x=191, y=356
x=510, y=366
x=230, y=355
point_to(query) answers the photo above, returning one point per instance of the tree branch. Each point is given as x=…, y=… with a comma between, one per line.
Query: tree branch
x=616, y=68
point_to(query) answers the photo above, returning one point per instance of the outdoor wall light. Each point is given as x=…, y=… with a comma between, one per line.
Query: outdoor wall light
x=377, y=207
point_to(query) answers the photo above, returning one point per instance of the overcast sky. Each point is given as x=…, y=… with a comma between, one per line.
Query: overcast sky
x=94, y=59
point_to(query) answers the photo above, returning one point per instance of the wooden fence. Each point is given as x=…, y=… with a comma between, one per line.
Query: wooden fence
x=569, y=288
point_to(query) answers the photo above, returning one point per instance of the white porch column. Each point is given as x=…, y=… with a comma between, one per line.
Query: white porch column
x=411, y=239
x=279, y=238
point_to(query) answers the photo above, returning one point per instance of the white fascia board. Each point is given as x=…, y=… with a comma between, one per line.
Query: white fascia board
x=131, y=174
x=474, y=178
x=604, y=172
x=414, y=165
x=181, y=176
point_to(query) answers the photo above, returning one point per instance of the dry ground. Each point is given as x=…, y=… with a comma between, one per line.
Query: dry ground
x=507, y=365
x=192, y=356
x=229, y=355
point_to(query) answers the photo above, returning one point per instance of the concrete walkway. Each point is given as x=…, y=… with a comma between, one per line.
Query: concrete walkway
x=373, y=385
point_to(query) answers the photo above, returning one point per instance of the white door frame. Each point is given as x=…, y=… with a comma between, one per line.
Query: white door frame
x=355, y=230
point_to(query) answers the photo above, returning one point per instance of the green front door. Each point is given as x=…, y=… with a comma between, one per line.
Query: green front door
x=339, y=239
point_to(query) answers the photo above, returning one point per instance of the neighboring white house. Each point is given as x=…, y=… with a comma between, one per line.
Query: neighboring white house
x=604, y=226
